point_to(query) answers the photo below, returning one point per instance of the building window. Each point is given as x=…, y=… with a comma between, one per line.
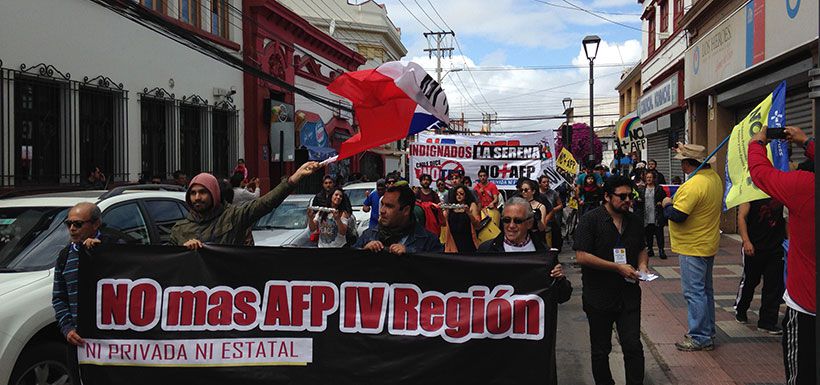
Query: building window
x=96, y=132
x=678, y=14
x=36, y=133
x=189, y=12
x=155, y=5
x=190, y=139
x=221, y=143
x=664, y=7
x=153, y=138
x=651, y=40
x=628, y=100
x=219, y=18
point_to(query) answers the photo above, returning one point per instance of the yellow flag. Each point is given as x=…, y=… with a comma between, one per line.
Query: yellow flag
x=566, y=162
x=739, y=186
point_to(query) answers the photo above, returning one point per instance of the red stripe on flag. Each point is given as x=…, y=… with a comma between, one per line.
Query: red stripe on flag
x=383, y=111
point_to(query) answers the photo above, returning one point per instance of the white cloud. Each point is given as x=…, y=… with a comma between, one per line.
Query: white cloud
x=535, y=92
x=495, y=58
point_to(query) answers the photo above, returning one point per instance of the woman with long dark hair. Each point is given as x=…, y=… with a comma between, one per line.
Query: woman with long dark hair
x=333, y=226
x=528, y=190
x=462, y=221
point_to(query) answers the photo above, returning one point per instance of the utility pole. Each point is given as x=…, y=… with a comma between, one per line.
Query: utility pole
x=441, y=49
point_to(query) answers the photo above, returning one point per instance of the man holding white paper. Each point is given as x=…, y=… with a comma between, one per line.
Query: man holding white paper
x=611, y=249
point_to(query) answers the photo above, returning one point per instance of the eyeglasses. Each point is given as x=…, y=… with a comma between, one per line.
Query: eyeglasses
x=624, y=196
x=390, y=182
x=76, y=224
x=517, y=221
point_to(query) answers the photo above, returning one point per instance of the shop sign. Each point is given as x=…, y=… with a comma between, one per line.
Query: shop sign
x=661, y=98
x=758, y=31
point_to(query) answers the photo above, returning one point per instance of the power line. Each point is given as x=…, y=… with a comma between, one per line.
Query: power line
x=552, y=67
x=428, y=16
x=602, y=17
x=159, y=24
x=414, y=16
x=595, y=11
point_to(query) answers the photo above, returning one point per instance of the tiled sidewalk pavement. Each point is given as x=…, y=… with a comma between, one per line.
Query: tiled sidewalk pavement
x=742, y=355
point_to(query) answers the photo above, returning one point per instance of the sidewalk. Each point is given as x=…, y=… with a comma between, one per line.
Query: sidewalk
x=742, y=355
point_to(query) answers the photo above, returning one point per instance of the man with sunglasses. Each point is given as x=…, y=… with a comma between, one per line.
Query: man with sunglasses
x=610, y=247
x=83, y=222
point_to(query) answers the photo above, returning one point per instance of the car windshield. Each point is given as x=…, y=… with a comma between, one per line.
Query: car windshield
x=31, y=237
x=357, y=196
x=289, y=215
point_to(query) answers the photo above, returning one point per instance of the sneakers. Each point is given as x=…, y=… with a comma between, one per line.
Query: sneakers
x=741, y=317
x=773, y=330
x=663, y=255
x=689, y=345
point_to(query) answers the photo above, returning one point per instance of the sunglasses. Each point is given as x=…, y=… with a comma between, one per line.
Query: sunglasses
x=76, y=224
x=517, y=221
x=390, y=182
x=624, y=196
x=525, y=190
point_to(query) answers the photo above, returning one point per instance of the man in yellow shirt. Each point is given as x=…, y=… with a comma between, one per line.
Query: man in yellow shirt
x=694, y=229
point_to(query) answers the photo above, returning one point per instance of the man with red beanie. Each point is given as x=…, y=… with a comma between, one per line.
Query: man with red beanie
x=209, y=221
x=796, y=190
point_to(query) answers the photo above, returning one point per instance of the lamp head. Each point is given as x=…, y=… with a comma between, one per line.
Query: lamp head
x=591, y=46
x=567, y=103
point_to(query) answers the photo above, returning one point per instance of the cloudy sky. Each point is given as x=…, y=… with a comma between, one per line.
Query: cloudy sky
x=501, y=40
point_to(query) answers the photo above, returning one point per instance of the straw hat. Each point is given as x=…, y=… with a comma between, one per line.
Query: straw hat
x=692, y=151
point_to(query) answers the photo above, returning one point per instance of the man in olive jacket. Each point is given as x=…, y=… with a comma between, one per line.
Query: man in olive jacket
x=209, y=221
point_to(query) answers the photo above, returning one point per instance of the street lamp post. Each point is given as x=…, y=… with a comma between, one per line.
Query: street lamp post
x=591, y=50
x=567, y=102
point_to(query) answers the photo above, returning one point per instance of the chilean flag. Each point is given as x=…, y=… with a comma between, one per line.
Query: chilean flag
x=392, y=102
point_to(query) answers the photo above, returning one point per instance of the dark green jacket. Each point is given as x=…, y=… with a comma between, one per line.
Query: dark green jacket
x=228, y=225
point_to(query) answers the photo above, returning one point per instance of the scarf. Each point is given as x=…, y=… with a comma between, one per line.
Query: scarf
x=388, y=236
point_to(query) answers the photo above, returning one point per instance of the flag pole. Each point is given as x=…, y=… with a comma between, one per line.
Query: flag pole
x=723, y=143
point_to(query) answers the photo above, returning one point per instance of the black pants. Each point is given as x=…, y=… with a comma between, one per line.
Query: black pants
x=73, y=364
x=655, y=232
x=799, y=347
x=555, y=231
x=767, y=264
x=628, y=324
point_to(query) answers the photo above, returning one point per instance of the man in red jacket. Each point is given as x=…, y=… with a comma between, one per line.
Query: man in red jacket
x=796, y=190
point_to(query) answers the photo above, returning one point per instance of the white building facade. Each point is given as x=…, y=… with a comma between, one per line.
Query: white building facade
x=83, y=86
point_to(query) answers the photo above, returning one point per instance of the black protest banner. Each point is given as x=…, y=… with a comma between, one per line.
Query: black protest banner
x=244, y=315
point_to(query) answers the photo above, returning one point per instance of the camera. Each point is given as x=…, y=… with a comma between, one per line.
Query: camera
x=775, y=133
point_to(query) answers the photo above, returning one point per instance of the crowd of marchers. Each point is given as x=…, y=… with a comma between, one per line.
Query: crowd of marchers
x=621, y=214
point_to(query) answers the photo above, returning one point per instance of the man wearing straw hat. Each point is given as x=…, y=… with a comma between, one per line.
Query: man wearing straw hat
x=694, y=229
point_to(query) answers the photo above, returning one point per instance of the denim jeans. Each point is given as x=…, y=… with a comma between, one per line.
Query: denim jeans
x=696, y=282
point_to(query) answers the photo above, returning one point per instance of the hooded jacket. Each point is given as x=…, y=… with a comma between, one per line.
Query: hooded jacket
x=225, y=224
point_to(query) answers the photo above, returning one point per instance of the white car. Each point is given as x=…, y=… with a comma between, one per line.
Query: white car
x=357, y=192
x=286, y=225
x=32, y=233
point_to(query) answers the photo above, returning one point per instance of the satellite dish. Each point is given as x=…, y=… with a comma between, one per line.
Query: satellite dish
x=332, y=27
